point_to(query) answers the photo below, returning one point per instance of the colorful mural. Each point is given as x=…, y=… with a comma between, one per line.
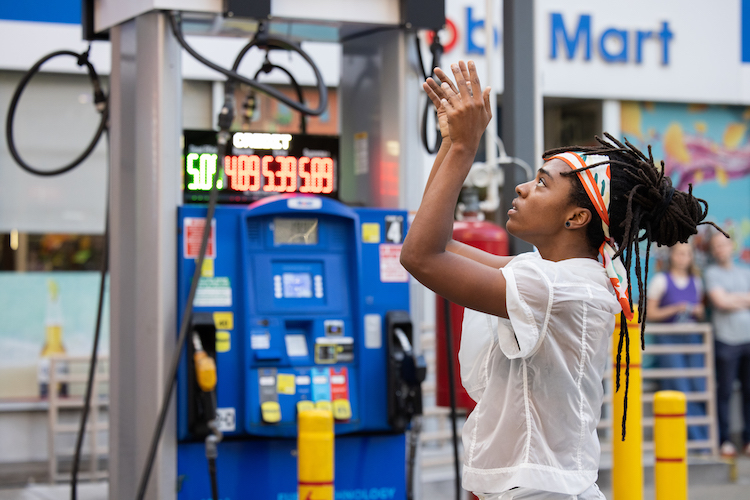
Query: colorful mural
x=707, y=146
x=45, y=313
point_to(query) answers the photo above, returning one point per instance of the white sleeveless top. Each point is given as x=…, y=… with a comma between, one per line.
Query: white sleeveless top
x=537, y=378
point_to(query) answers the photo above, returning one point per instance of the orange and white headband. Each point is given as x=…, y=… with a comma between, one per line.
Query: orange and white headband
x=597, y=181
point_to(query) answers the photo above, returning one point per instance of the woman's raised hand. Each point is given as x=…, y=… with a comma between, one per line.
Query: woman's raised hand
x=435, y=93
x=466, y=105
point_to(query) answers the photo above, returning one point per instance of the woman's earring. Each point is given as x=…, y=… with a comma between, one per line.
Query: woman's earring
x=567, y=223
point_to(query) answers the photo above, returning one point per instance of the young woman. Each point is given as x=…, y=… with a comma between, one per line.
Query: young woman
x=535, y=332
x=676, y=296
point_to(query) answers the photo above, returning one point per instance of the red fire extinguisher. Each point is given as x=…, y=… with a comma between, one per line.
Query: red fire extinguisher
x=490, y=238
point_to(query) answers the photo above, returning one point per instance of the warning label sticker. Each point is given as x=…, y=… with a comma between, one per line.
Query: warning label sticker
x=213, y=292
x=394, y=228
x=192, y=236
x=391, y=270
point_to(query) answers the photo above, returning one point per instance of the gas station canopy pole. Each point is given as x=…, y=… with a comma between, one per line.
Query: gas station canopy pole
x=520, y=100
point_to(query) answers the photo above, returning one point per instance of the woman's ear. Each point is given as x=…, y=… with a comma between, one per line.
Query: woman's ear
x=579, y=218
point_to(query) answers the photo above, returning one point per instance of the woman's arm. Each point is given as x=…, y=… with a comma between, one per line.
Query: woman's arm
x=436, y=94
x=660, y=313
x=424, y=254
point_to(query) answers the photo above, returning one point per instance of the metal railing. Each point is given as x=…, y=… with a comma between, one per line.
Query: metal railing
x=653, y=375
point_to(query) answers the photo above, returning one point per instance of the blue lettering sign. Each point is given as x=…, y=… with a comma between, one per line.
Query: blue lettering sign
x=665, y=36
x=44, y=11
x=622, y=40
x=640, y=37
x=362, y=494
x=474, y=24
x=614, y=43
x=583, y=31
x=745, y=31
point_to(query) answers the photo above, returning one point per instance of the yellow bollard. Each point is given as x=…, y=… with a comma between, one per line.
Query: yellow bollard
x=627, y=456
x=670, y=445
x=315, y=455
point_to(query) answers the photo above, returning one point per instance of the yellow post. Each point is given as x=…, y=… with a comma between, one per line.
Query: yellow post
x=627, y=456
x=315, y=455
x=670, y=445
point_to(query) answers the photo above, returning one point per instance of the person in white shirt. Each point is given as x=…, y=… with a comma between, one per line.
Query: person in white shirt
x=536, y=326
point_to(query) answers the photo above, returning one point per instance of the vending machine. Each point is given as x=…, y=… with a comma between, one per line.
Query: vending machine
x=302, y=303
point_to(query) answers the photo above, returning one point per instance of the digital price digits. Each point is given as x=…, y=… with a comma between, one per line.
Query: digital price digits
x=246, y=173
x=259, y=165
x=202, y=168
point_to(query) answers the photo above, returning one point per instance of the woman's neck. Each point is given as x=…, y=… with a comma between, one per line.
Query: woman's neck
x=563, y=252
x=679, y=273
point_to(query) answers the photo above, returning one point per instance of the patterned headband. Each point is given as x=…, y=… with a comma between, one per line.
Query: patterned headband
x=597, y=182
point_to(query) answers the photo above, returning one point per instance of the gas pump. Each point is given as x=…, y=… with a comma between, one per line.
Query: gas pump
x=302, y=303
x=259, y=337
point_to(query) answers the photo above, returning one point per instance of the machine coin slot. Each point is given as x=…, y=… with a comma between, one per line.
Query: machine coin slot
x=201, y=405
x=406, y=372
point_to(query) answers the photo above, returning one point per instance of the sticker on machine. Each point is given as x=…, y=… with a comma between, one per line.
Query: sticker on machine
x=192, y=236
x=226, y=419
x=391, y=270
x=213, y=292
x=394, y=228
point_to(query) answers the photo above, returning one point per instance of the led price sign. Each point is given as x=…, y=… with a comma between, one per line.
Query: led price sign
x=260, y=164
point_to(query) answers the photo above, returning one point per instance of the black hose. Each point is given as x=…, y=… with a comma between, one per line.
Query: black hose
x=267, y=67
x=452, y=390
x=100, y=100
x=184, y=326
x=212, y=475
x=92, y=364
x=272, y=42
x=437, y=50
x=225, y=120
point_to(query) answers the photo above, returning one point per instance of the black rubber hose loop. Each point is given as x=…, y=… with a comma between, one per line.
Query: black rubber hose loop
x=271, y=42
x=99, y=99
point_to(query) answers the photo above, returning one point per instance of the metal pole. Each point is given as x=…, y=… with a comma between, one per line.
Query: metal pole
x=670, y=445
x=520, y=101
x=145, y=103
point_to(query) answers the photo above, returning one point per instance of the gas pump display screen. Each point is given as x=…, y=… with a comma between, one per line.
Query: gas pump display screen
x=295, y=231
x=297, y=285
x=260, y=164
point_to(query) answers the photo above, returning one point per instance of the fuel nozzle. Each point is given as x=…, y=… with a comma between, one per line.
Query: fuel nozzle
x=205, y=366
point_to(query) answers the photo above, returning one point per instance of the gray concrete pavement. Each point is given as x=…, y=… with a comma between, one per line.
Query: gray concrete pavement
x=739, y=489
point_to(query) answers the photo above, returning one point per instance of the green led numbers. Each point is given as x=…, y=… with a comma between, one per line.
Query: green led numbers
x=201, y=169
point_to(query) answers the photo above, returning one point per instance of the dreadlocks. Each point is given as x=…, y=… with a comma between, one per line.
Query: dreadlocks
x=644, y=207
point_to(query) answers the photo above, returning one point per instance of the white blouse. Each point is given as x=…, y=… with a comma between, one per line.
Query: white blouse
x=537, y=378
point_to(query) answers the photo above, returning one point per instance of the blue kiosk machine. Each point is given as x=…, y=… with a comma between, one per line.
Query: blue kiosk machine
x=302, y=303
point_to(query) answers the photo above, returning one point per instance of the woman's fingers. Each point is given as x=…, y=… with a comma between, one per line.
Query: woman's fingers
x=435, y=86
x=464, y=71
x=473, y=77
x=432, y=94
x=487, y=104
x=445, y=79
x=460, y=80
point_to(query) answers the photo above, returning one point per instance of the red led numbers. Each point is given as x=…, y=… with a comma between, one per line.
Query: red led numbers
x=279, y=174
x=287, y=174
x=316, y=175
x=243, y=172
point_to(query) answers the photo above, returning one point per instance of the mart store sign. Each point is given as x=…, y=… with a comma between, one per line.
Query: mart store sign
x=609, y=49
x=658, y=50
